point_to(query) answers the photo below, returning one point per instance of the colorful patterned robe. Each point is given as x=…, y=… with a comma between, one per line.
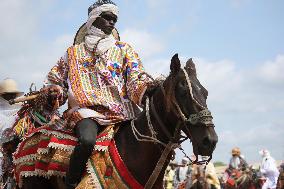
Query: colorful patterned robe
x=106, y=88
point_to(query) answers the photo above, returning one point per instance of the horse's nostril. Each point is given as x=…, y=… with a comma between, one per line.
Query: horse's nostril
x=209, y=143
x=206, y=142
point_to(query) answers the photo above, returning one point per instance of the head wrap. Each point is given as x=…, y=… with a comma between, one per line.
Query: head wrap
x=264, y=153
x=96, y=39
x=185, y=160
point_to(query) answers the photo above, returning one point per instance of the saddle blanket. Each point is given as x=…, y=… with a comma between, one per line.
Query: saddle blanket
x=46, y=153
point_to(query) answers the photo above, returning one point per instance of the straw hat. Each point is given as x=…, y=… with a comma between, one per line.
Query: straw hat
x=9, y=86
x=82, y=32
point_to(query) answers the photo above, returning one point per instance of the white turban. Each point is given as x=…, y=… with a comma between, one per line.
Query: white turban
x=96, y=12
x=96, y=38
x=264, y=153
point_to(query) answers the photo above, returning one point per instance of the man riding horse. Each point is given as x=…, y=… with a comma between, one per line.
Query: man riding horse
x=105, y=84
x=104, y=80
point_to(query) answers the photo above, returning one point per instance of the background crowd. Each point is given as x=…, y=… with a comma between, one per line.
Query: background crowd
x=185, y=174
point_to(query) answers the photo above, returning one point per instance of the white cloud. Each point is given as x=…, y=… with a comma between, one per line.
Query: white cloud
x=251, y=140
x=254, y=88
x=273, y=71
x=219, y=77
x=246, y=105
x=144, y=42
x=25, y=56
x=17, y=26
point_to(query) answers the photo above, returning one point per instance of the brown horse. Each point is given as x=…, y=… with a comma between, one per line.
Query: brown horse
x=177, y=104
x=245, y=179
x=175, y=93
x=280, y=183
x=202, y=177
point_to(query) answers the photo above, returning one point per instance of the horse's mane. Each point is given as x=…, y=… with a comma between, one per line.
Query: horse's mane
x=170, y=92
x=167, y=84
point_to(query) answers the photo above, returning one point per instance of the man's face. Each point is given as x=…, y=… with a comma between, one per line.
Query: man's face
x=106, y=22
x=9, y=96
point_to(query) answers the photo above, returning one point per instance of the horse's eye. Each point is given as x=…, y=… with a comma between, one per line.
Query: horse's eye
x=183, y=83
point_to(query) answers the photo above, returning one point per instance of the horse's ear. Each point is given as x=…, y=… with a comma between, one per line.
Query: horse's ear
x=190, y=66
x=175, y=64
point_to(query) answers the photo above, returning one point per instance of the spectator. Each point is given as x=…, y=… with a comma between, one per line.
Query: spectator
x=237, y=161
x=182, y=172
x=269, y=170
x=169, y=176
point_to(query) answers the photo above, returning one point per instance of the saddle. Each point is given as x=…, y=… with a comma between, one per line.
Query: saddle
x=46, y=151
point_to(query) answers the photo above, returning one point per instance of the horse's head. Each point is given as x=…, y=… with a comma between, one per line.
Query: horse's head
x=186, y=98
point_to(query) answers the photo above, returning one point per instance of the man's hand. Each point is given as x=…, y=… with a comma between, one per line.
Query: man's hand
x=51, y=96
x=52, y=91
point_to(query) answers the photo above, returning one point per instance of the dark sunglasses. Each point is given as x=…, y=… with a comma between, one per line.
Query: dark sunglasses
x=108, y=17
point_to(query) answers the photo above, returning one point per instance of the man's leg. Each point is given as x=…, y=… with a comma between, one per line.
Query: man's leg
x=86, y=130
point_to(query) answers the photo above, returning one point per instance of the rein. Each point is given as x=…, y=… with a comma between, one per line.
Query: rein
x=203, y=116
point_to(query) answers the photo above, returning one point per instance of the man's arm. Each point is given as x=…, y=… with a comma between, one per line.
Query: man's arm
x=56, y=85
x=136, y=79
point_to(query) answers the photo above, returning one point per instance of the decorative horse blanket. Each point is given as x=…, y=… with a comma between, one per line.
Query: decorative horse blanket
x=46, y=153
x=106, y=170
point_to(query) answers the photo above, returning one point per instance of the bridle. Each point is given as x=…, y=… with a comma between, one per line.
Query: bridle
x=204, y=116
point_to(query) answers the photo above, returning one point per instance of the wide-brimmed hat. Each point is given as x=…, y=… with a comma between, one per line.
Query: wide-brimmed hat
x=82, y=32
x=9, y=86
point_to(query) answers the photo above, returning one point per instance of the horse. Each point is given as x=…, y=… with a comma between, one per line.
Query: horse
x=245, y=179
x=280, y=183
x=202, y=177
x=178, y=104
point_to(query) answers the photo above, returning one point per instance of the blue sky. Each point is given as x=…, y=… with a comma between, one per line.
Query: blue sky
x=238, y=47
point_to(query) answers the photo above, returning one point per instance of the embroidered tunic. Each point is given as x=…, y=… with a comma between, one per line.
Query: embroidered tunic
x=106, y=88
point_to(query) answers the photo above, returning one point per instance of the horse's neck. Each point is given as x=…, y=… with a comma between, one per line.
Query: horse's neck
x=165, y=110
x=141, y=157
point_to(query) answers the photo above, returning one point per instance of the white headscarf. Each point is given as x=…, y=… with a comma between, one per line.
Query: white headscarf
x=8, y=114
x=264, y=153
x=96, y=38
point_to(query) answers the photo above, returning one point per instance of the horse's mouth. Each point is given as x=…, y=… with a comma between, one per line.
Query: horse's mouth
x=200, y=149
x=205, y=143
